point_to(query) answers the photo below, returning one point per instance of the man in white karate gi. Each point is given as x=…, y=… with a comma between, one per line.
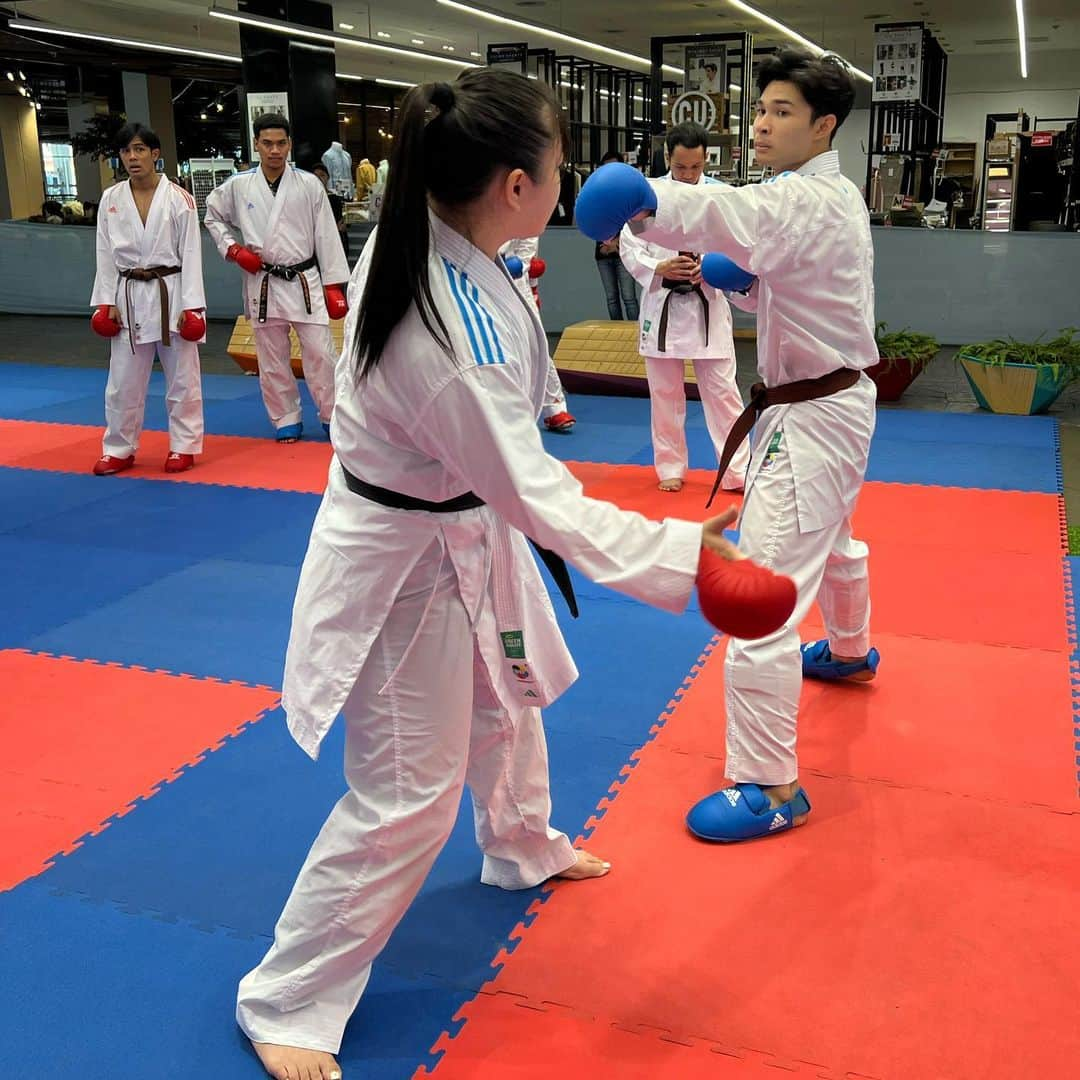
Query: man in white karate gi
x=275, y=222
x=806, y=237
x=148, y=292
x=682, y=318
x=520, y=256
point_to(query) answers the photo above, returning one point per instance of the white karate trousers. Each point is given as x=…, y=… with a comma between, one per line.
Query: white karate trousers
x=280, y=390
x=554, y=395
x=409, y=751
x=720, y=400
x=125, y=395
x=763, y=678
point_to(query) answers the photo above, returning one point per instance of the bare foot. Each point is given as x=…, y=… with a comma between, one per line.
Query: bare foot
x=859, y=676
x=295, y=1063
x=674, y=484
x=587, y=866
x=784, y=793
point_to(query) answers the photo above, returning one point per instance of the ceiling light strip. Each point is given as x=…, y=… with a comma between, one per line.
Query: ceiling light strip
x=45, y=28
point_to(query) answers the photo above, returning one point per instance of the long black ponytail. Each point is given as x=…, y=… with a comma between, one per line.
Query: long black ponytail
x=448, y=142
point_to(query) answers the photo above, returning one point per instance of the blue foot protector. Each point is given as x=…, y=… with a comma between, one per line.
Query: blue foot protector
x=290, y=432
x=743, y=812
x=818, y=663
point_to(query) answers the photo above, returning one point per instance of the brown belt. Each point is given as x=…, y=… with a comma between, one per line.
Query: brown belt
x=762, y=396
x=150, y=273
x=661, y=334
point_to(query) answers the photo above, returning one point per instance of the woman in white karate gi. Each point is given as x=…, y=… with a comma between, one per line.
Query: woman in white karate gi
x=149, y=227
x=420, y=614
x=275, y=222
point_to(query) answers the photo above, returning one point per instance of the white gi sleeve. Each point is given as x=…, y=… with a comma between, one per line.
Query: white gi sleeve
x=639, y=258
x=106, y=276
x=481, y=426
x=220, y=216
x=756, y=226
x=192, y=292
x=333, y=269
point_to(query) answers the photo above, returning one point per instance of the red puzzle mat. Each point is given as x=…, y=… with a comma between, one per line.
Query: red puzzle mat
x=925, y=924
x=86, y=739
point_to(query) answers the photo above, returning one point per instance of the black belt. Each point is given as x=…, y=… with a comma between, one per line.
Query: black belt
x=762, y=396
x=286, y=273
x=150, y=273
x=677, y=290
x=397, y=500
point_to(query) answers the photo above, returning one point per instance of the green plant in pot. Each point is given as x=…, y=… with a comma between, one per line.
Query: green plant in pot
x=1021, y=377
x=904, y=354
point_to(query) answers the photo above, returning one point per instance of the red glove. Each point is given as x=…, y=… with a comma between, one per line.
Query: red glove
x=336, y=305
x=244, y=258
x=192, y=326
x=741, y=598
x=102, y=324
x=537, y=268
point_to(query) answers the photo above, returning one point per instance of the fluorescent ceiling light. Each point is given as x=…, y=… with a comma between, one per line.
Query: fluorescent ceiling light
x=334, y=39
x=394, y=82
x=474, y=54
x=43, y=28
x=346, y=26
x=381, y=33
x=813, y=46
x=1021, y=33
x=417, y=41
x=544, y=31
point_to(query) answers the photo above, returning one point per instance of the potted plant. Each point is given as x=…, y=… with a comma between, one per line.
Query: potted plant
x=1021, y=377
x=903, y=355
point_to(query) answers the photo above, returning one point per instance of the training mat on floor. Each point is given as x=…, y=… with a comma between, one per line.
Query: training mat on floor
x=111, y=993
x=945, y=819
x=95, y=737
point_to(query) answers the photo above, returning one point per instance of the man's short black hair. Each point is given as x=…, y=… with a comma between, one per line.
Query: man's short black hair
x=824, y=81
x=320, y=167
x=270, y=120
x=611, y=155
x=713, y=66
x=130, y=132
x=690, y=135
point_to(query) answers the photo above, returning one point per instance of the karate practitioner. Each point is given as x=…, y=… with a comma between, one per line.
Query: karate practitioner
x=148, y=292
x=420, y=613
x=275, y=222
x=683, y=318
x=806, y=236
x=520, y=256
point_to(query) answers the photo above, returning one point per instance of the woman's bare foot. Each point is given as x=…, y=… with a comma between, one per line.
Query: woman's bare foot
x=587, y=866
x=674, y=484
x=784, y=793
x=295, y=1063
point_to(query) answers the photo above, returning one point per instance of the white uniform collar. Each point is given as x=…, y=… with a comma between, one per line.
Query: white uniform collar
x=466, y=256
x=827, y=164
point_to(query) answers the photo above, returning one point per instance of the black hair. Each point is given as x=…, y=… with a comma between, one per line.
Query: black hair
x=824, y=81
x=611, y=155
x=713, y=66
x=320, y=167
x=448, y=143
x=130, y=132
x=689, y=135
x=269, y=120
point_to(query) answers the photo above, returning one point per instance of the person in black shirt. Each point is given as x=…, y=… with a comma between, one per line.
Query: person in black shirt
x=337, y=204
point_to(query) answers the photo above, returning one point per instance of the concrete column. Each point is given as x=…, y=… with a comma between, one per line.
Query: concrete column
x=22, y=186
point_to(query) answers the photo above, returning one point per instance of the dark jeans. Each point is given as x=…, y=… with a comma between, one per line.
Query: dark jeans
x=617, y=281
